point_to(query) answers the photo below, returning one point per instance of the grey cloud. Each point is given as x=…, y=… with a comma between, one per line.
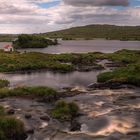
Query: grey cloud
x=97, y=2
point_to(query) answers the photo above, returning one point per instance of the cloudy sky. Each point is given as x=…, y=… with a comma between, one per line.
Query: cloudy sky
x=37, y=16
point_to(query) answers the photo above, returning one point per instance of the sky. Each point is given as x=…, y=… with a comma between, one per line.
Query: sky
x=39, y=16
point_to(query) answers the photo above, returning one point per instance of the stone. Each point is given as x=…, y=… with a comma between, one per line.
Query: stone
x=28, y=116
x=30, y=131
x=45, y=118
x=11, y=111
x=75, y=126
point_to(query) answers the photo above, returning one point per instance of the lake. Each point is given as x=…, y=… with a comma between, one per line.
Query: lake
x=58, y=80
x=84, y=46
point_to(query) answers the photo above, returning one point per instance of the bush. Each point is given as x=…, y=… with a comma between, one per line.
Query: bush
x=11, y=129
x=33, y=41
x=65, y=111
x=4, y=83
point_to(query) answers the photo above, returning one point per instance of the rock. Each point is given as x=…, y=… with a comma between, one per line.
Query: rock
x=45, y=118
x=133, y=133
x=107, y=85
x=75, y=126
x=28, y=116
x=43, y=125
x=11, y=111
x=30, y=131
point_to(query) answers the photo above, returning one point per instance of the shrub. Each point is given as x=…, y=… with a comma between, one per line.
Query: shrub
x=65, y=111
x=11, y=129
x=4, y=83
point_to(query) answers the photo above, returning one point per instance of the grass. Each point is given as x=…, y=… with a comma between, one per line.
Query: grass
x=109, y=32
x=129, y=61
x=4, y=83
x=12, y=62
x=42, y=92
x=65, y=111
x=129, y=73
x=10, y=128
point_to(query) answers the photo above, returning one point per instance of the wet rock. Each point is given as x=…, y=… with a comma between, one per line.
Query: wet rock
x=133, y=133
x=89, y=68
x=107, y=85
x=111, y=64
x=75, y=126
x=28, y=116
x=30, y=131
x=11, y=111
x=115, y=136
x=43, y=125
x=45, y=118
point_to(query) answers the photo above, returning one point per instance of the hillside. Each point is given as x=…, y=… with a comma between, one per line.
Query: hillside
x=98, y=31
x=7, y=37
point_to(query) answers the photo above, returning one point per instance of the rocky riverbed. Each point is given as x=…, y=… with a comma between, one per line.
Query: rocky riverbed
x=104, y=115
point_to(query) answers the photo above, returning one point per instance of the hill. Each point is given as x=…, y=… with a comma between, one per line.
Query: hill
x=109, y=32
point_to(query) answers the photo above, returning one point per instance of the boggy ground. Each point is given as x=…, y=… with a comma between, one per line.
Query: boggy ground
x=104, y=115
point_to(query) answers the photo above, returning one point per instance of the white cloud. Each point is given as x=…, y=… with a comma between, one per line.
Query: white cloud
x=19, y=16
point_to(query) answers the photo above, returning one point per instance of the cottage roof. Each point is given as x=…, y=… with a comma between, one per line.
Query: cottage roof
x=7, y=47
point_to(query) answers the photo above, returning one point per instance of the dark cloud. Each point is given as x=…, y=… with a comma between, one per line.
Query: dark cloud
x=97, y=2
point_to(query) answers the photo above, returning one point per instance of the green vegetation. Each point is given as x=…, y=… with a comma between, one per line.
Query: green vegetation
x=32, y=41
x=129, y=73
x=45, y=93
x=10, y=128
x=108, y=32
x=128, y=60
x=65, y=111
x=4, y=83
x=12, y=62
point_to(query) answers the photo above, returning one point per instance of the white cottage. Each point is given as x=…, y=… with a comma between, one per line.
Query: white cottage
x=8, y=48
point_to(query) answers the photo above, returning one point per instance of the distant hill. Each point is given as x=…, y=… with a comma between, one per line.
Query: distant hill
x=109, y=32
x=7, y=37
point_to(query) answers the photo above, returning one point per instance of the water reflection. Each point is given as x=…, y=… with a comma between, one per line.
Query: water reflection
x=84, y=46
x=55, y=80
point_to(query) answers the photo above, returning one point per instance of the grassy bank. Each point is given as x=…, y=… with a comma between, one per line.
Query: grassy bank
x=12, y=62
x=129, y=73
x=45, y=93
